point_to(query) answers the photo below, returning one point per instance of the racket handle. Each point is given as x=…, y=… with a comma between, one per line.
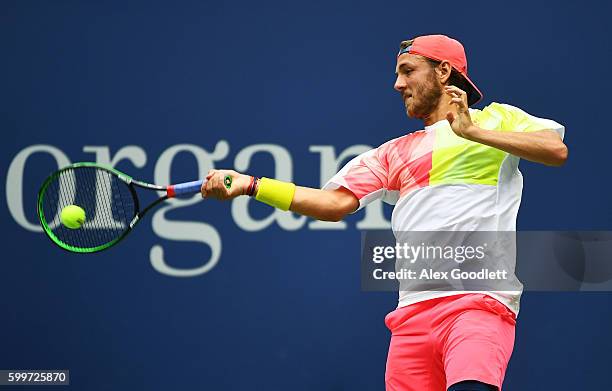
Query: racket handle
x=184, y=188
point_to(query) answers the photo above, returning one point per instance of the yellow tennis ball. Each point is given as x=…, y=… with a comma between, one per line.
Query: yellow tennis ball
x=72, y=216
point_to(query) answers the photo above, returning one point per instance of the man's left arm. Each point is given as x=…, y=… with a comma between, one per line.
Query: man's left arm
x=542, y=146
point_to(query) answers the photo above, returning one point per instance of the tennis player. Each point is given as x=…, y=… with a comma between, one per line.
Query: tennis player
x=460, y=173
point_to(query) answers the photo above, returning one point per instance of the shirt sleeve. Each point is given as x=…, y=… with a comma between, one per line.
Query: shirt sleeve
x=505, y=117
x=366, y=176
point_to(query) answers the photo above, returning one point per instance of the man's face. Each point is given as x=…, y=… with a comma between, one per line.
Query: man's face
x=417, y=83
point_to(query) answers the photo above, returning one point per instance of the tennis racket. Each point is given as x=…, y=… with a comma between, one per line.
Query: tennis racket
x=109, y=199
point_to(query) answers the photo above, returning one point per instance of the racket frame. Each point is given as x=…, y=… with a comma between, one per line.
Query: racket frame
x=189, y=188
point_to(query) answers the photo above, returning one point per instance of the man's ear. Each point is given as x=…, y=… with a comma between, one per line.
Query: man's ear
x=443, y=71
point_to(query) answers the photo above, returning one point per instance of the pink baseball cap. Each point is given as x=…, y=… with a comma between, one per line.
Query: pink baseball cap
x=441, y=47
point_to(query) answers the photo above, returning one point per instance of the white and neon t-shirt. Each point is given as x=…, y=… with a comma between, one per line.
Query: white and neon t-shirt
x=441, y=182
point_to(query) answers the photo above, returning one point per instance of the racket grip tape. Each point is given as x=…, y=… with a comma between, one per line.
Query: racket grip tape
x=184, y=188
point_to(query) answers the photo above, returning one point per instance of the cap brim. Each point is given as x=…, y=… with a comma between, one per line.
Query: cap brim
x=474, y=94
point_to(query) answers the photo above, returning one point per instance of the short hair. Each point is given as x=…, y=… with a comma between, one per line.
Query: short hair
x=405, y=44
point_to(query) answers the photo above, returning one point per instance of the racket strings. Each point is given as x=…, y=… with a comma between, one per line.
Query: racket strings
x=107, y=201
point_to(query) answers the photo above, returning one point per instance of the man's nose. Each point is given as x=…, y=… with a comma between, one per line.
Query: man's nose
x=400, y=84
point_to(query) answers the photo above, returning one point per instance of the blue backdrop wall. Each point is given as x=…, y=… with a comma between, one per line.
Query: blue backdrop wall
x=236, y=299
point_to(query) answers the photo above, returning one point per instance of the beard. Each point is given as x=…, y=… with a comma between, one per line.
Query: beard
x=425, y=98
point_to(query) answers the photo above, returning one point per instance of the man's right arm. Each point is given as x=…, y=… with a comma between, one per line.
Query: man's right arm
x=326, y=205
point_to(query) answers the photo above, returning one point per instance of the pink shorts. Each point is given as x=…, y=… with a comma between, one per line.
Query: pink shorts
x=439, y=342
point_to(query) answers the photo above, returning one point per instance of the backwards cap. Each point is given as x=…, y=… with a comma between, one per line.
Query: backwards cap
x=439, y=48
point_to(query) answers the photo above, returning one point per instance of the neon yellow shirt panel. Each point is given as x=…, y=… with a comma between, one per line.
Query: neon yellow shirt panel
x=457, y=160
